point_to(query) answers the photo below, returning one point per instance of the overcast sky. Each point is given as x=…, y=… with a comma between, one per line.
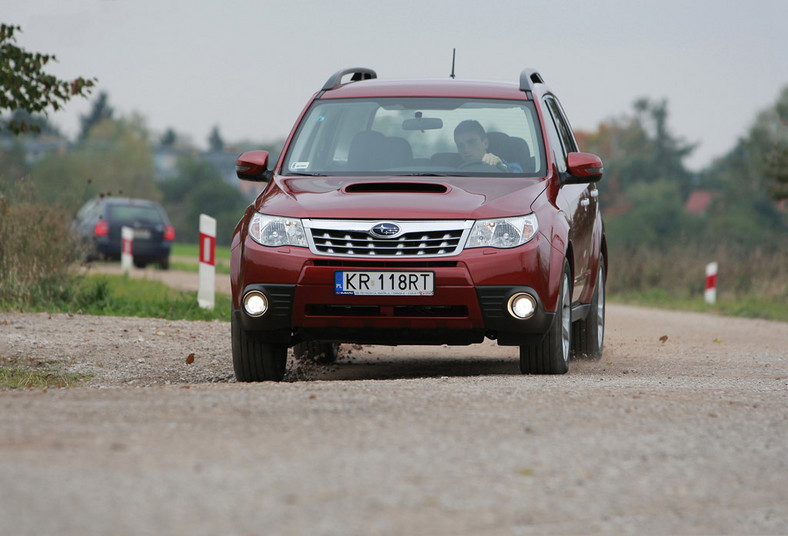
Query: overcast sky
x=249, y=66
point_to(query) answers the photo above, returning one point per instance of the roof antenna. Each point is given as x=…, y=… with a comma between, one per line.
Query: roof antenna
x=453, y=53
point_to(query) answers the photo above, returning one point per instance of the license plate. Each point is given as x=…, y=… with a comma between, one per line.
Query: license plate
x=384, y=283
x=142, y=234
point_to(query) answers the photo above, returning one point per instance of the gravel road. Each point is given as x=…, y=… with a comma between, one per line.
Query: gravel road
x=682, y=427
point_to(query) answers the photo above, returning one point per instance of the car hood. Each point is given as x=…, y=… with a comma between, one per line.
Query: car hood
x=400, y=197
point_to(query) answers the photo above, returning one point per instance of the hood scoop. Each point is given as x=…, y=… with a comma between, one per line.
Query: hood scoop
x=396, y=186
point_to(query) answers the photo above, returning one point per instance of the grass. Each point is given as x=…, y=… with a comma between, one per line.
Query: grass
x=751, y=283
x=186, y=258
x=193, y=250
x=727, y=305
x=120, y=295
x=32, y=374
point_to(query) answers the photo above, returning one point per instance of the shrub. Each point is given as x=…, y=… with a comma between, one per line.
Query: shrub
x=36, y=248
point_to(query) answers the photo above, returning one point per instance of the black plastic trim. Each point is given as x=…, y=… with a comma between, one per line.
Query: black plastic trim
x=502, y=326
x=359, y=73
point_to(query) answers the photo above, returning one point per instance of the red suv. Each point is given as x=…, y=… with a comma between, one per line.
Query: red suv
x=421, y=212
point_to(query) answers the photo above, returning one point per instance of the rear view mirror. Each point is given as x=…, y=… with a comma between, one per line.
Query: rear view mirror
x=583, y=168
x=253, y=166
x=422, y=123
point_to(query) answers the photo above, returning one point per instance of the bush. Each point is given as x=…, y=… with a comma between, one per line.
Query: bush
x=36, y=248
x=750, y=281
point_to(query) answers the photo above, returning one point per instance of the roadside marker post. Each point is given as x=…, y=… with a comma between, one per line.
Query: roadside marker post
x=126, y=248
x=207, y=290
x=711, y=283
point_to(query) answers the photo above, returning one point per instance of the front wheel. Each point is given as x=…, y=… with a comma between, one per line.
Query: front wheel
x=254, y=360
x=551, y=355
x=589, y=333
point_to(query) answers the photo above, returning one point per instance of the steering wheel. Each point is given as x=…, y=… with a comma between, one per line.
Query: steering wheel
x=475, y=165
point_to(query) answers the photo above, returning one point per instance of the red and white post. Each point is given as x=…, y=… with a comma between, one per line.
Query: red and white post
x=711, y=283
x=126, y=249
x=207, y=290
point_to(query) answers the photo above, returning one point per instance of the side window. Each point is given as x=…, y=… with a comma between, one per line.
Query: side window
x=559, y=154
x=567, y=138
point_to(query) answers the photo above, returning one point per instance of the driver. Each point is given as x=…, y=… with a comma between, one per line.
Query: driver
x=472, y=144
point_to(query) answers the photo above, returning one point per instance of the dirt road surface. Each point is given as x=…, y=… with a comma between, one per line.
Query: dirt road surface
x=682, y=427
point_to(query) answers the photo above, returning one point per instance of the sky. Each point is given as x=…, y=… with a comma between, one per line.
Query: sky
x=249, y=67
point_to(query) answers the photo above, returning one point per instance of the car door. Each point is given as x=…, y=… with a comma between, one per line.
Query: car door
x=578, y=201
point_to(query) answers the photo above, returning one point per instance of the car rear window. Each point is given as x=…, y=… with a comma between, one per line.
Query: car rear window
x=134, y=213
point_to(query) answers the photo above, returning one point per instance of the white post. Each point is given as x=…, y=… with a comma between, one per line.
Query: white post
x=126, y=248
x=207, y=290
x=711, y=283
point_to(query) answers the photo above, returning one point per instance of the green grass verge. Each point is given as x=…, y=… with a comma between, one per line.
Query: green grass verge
x=193, y=250
x=767, y=308
x=120, y=295
x=16, y=374
x=186, y=258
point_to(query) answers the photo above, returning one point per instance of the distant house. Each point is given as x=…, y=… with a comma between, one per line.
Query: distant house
x=224, y=161
x=165, y=159
x=36, y=147
x=698, y=202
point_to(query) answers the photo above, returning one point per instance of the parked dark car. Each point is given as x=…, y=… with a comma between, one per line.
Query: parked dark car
x=98, y=226
x=421, y=212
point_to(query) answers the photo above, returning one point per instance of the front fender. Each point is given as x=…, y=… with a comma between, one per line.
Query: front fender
x=236, y=255
x=554, y=226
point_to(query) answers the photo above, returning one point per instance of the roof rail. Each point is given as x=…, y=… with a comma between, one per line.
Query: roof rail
x=359, y=73
x=528, y=78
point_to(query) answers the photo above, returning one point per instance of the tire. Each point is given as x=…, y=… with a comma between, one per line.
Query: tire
x=318, y=351
x=255, y=360
x=140, y=264
x=588, y=335
x=551, y=355
x=164, y=263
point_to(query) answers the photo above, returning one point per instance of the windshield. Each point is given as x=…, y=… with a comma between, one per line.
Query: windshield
x=407, y=136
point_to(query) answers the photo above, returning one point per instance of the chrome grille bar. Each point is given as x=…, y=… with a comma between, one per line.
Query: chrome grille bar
x=352, y=238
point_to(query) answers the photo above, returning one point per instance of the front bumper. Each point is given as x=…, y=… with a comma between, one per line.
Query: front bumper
x=469, y=303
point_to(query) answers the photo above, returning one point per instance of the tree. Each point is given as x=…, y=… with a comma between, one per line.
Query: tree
x=644, y=169
x=116, y=159
x=25, y=86
x=776, y=161
x=215, y=141
x=100, y=111
x=748, y=178
x=776, y=168
x=169, y=138
x=199, y=189
x=36, y=123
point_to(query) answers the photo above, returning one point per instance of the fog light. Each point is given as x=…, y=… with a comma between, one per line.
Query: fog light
x=255, y=303
x=522, y=305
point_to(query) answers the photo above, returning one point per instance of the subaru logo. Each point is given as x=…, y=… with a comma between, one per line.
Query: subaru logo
x=385, y=230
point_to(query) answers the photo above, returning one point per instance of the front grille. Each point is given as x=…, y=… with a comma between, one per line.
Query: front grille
x=407, y=245
x=416, y=239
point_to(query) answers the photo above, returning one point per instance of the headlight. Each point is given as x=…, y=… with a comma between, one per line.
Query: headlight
x=277, y=231
x=503, y=232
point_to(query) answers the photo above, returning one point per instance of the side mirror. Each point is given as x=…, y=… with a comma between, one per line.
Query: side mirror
x=583, y=168
x=253, y=166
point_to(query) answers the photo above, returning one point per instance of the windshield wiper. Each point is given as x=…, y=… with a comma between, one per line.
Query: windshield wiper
x=424, y=174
